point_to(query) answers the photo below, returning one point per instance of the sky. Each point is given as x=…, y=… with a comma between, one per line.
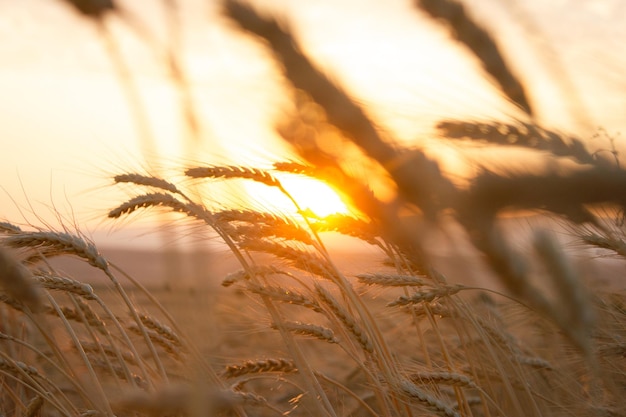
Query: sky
x=68, y=122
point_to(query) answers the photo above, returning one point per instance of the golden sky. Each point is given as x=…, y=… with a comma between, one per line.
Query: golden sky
x=66, y=124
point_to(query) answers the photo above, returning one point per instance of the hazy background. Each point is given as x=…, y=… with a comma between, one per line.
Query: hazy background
x=66, y=123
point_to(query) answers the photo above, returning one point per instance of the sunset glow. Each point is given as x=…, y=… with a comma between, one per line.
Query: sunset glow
x=315, y=196
x=66, y=120
x=311, y=195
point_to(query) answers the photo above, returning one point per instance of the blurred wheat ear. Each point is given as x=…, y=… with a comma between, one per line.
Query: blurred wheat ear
x=94, y=9
x=482, y=45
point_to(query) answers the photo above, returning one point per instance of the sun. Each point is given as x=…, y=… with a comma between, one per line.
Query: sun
x=312, y=196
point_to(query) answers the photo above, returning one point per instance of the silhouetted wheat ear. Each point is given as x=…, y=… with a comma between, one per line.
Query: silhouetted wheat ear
x=521, y=135
x=231, y=171
x=93, y=9
x=466, y=31
x=296, y=168
x=139, y=179
x=149, y=200
x=348, y=226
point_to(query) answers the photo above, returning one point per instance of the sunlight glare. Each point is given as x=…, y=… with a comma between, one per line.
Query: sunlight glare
x=310, y=194
x=314, y=195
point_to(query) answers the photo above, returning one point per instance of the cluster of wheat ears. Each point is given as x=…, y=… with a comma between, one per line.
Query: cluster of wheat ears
x=404, y=341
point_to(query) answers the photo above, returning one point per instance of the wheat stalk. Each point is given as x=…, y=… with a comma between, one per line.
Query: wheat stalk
x=391, y=280
x=20, y=368
x=264, y=225
x=119, y=372
x=33, y=379
x=14, y=367
x=500, y=336
x=613, y=349
x=160, y=328
x=149, y=200
x=534, y=362
x=70, y=314
x=231, y=171
x=57, y=243
x=250, y=272
x=308, y=329
x=289, y=296
x=344, y=317
x=139, y=179
x=433, y=403
x=59, y=283
x=573, y=314
x=306, y=261
x=159, y=339
x=259, y=366
x=180, y=399
x=348, y=226
x=426, y=296
x=296, y=168
x=109, y=350
x=443, y=378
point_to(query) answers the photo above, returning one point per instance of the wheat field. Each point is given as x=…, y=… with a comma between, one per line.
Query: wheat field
x=395, y=341
x=292, y=330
